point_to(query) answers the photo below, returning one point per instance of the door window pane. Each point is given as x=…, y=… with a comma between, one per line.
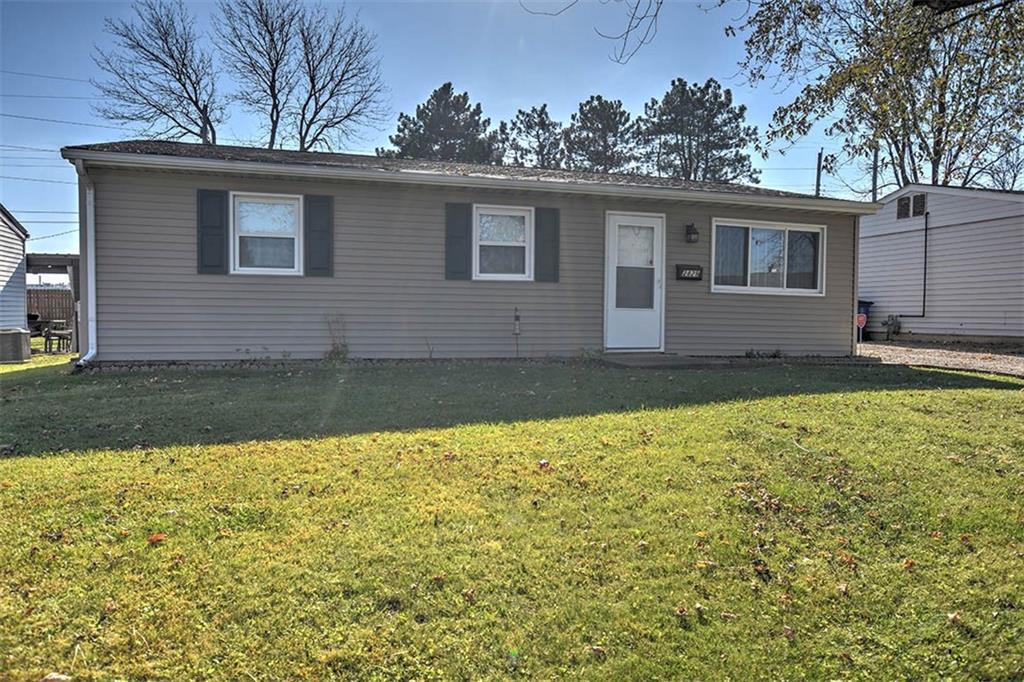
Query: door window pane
x=731, y=256
x=634, y=287
x=766, y=257
x=266, y=217
x=802, y=264
x=502, y=260
x=266, y=252
x=636, y=246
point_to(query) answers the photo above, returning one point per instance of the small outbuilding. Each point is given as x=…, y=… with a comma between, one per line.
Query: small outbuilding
x=945, y=262
x=14, y=345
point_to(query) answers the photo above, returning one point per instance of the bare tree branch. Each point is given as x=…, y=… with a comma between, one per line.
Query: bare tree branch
x=339, y=85
x=159, y=75
x=258, y=41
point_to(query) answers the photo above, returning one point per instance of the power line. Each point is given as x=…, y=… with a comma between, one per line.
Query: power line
x=48, y=96
x=55, y=234
x=57, y=120
x=29, y=149
x=51, y=222
x=64, y=212
x=44, y=75
x=58, y=182
x=35, y=165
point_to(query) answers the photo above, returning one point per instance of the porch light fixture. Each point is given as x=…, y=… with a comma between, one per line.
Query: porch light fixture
x=691, y=234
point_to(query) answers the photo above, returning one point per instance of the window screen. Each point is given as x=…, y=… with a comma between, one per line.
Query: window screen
x=903, y=207
x=919, y=204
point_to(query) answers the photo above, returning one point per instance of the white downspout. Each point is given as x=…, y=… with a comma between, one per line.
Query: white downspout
x=89, y=261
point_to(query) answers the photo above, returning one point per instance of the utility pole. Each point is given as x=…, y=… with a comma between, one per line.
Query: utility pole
x=817, y=177
x=874, y=177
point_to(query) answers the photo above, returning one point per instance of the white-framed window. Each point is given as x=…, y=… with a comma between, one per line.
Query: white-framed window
x=758, y=257
x=502, y=243
x=266, y=234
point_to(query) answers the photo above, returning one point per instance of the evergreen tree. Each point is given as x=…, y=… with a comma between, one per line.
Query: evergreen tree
x=601, y=137
x=447, y=127
x=696, y=133
x=535, y=139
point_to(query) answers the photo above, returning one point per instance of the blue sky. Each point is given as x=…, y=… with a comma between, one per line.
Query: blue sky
x=506, y=57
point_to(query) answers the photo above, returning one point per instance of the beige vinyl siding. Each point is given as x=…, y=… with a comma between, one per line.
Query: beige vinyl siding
x=975, y=267
x=389, y=291
x=12, y=278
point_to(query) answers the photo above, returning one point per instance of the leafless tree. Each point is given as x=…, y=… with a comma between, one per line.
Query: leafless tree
x=159, y=75
x=258, y=40
x=339, y=83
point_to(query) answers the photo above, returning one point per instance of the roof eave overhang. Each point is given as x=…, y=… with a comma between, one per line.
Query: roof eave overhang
x=161, y=162
x=993, y=195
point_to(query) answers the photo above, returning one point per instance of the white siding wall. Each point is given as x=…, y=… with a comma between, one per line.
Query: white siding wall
x=12, y=278
x=975, y=266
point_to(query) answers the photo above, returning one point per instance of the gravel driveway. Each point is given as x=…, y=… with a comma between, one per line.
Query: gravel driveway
x=1005, y=358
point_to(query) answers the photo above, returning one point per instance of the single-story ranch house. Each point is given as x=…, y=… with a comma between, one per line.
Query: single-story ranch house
x=207, y=252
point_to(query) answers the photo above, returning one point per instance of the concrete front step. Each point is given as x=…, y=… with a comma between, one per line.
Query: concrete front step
x=673, y=361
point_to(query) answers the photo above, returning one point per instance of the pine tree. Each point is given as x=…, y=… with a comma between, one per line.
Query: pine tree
x=601, y=137
x=535, y=139
x=695, y=132
x=447, y=127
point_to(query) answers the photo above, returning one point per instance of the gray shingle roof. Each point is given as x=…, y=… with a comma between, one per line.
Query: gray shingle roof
x=451, y=169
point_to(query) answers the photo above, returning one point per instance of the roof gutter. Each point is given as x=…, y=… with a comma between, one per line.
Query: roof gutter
x=163, y=162
x=89, y=261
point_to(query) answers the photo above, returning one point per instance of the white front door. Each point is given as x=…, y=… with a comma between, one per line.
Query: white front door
x=634, y=281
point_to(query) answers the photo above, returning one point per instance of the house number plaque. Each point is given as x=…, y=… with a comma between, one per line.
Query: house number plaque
x=691, y=272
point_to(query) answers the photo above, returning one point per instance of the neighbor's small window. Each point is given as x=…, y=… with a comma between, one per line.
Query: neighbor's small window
x=919, y=204
x=266, y=234
x=903, y=207
x=502, y=243
x=767, y=258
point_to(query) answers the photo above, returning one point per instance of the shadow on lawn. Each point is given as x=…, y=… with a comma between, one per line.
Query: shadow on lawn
x=47, y=410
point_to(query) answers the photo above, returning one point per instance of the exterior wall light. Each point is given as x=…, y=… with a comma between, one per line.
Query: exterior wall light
x=691, y=234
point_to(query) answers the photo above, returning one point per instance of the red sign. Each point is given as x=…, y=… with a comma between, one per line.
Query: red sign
x=862, y=320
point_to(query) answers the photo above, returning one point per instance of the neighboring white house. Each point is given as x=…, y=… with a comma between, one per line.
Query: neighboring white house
x=12, y=271
x=946, y=260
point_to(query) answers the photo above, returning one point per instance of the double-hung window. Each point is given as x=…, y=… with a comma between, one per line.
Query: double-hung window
x=768, y=258
x=502, y=243
x=266, y=234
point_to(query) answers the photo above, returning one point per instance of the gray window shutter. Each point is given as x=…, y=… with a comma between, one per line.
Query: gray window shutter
x=213, y=231
x=318, y=236
x=545, y=244
x=458, y=241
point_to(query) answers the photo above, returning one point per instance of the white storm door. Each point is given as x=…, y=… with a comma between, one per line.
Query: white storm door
x=634, y=281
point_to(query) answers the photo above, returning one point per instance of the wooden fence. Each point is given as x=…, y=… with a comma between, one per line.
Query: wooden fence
x=52, y=304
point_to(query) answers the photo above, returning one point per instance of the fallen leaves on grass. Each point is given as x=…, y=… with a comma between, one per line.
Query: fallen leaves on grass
x=156, y=538
x=846, y=559
x=683, y=615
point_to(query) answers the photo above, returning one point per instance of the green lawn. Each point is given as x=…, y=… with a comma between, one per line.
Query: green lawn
x=425, y=521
